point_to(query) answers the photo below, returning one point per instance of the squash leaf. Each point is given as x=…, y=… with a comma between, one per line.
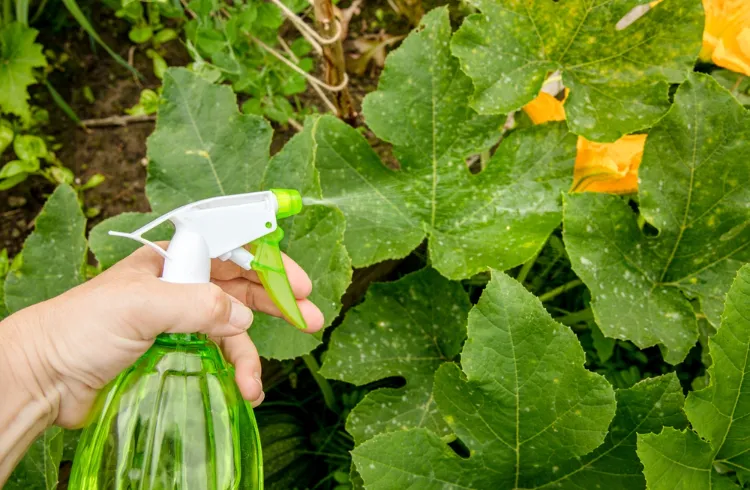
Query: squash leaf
x=498, y=218
x=204, y=147
x=406, y=328
x=523, y=404
x=695, y=186
x=644, y=408
x=717, y=413
x=314, y=238
x=618, y=79
x=53, y=256
x=19, y=55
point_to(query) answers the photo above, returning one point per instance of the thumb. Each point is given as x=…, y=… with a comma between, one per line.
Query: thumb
x=189, y=308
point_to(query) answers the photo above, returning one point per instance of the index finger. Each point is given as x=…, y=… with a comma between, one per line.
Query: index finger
x=298, y=278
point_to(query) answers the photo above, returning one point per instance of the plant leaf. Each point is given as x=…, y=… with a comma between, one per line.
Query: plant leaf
x=406, y=328
x=523, y=404
x=314, y=238
x=19, y=55
x=695, y=186
x=645, y=408
x=618, y=80
x=54, y=255
x=38, y=470
x=717, y=413
x=507, y=211
x=679, y=459
x=202, y=146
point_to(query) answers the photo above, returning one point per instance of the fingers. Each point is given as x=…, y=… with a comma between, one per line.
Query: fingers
x=298, y=278
x=186, y=308
x=256, y=297
x=241, y=352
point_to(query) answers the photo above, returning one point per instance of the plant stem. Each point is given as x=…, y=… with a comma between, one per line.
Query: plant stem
x=323, y=384
x=333, y=56
x=559, y=290
x=576, y=317
x=484, y=158
x=117, y=120
x=526, y=268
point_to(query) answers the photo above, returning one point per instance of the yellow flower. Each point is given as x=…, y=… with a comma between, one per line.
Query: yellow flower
x=726, y=35
x=545, y=108
x=608, y=167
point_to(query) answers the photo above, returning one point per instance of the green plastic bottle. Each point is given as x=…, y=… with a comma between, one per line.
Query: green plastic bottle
x=176, y=418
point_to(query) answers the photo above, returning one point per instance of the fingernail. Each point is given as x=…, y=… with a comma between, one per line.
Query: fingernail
x=241, y=316
x=256, y=375
x=259, y=400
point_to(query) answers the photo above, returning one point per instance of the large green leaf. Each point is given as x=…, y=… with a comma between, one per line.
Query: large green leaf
x=314, y=238
x=406, y=328
x=499, y=218
x=695, y=186
x=523, y=404
x=618, y=79
x=645, y=408
x=203, y=147
x=53, y=256
x=39, y=468
x=19, y=55
x=717, y=413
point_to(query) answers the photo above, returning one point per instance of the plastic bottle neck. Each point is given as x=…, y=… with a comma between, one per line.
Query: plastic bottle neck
x=171, y=339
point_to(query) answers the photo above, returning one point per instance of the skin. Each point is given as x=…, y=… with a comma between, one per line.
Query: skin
x=56, y=356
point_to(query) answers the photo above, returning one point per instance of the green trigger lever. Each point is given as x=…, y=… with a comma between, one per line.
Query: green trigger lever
x=270, y=268
x=269, y=265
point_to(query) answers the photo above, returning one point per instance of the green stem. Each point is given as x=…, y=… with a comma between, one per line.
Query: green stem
x=559, y=290
x=526, y=268
x=484, y=158
x=576, y=317
x=323, y=384
x=7, y=12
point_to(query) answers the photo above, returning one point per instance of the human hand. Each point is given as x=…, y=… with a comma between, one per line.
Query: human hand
x=68, y=348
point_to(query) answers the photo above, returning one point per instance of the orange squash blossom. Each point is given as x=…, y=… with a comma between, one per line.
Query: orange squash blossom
x=599, y=167
x=726, y=35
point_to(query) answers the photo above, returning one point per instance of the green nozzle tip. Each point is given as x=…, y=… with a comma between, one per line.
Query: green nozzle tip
x=290, y=202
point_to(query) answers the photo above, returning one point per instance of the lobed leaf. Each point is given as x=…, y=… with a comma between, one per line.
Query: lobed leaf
x=618, y=79
x=695, y=186
x=499, y=218
x=405, y=329
x=718, y=413
x=19, y=55
x=523, y=404
x=53, y=256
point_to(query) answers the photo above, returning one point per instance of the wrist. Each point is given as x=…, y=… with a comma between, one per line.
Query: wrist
x=25, y=366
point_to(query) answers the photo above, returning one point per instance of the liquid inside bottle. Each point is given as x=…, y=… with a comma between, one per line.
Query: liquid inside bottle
x=174, y=420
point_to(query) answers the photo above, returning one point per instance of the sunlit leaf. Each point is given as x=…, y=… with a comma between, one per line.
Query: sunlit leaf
x=523, y=404
x=618, y=79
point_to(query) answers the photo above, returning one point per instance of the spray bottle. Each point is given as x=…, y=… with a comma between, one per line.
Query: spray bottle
x=176, y=418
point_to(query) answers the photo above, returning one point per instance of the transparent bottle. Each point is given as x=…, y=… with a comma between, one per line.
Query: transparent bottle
x=174, y=420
